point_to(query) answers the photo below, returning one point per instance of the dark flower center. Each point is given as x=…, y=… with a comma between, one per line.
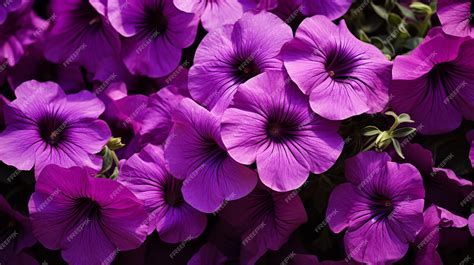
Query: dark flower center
x=245, y=69
x=438, y=77
x=279, y=129
x=341, y=62
x=173, y=195
x=156, y=21
x=382, y=207
x=87, y=208
x=52, y=129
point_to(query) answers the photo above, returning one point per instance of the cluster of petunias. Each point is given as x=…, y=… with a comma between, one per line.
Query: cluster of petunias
x=236, y=133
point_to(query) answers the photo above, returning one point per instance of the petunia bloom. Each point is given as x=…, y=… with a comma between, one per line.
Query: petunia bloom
x=456, y=17
x=45, y=126
x=381, y=207
x=19, y=30
x=216, y=13
x=195, y=153
x=233, y=54
x=146, y=176
x=15, y=233
x=271, y=122
x=435, y=83
x=7, y=6
x=342, y=75
x=155, y=33
x=332, y=9
x=249, y=227
x=81, y=35
x=89, y=219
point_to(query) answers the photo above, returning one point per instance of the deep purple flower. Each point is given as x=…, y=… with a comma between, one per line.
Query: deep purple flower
x=216, y=13
x=155, y=31
x=195, y=153
x=470, y=138
x=15, y=233
x=233, y=54
x=343, y=76
x=261, y=221
x=146, y=176
x=270, y=122
x=89, y=219
x=435, y=218
x=435, y=83
x=19, y=30
x=45, y=126
x=7, y=6
x=381, y=207
x=456, y=17
x=80, y=35
x=332, y=9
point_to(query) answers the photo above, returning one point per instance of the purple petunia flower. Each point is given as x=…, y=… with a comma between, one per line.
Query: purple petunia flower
x=216, y=13
x=146, y=176
x=155, y=31
x=435, y=218
x=261, y=221
x=195, y=153
x=270, y=122
x=332, y=9
x=470, y=138
x=456, y=17
x=81, y=34
x=233, y=54
x=15, y=233
x=89, y=219
x=19, y=30
x=381, y=207
x=7, y=6
x=44, y=126
x=435, y=83
x=343, y=76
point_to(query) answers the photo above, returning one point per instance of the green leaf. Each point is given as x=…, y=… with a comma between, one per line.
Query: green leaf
x=115, y=143
x=421, y=8
x=405, y=118
x=403, y=132
x=412, y=43
x=406, y=12
x=363, y=37
x=370, y=131
x=380, y=11
x=394, y=19
x=378, y=42
x=397, y=147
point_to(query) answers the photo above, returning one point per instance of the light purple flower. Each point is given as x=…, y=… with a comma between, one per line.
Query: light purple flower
x=80, y=35
x=435, y=83
x=155, y=33
x=45, y=126
x=195, y=153
x=216, y=13
x=270, y=122
x=146, y=176
x=342, y=75
x=89, y=219
x=15, y=233
x=381, y=207
x=17, y=32
x=456, y=17
x=233, y=54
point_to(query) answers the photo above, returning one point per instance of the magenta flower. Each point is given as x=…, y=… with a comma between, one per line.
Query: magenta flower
x=7, y=6
x=457, y=17
x=427, y=240
x=270, y=122
x=343, y=76
x=434, y=83
x=89, y=219
x=216, y=13
x=18, y=30
x=146, y=176
x=155, y=31
x=233, y=54
x=15, y=233
x=195, y=153
x=44, y=126
x=81, y=34
x=381, y=207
